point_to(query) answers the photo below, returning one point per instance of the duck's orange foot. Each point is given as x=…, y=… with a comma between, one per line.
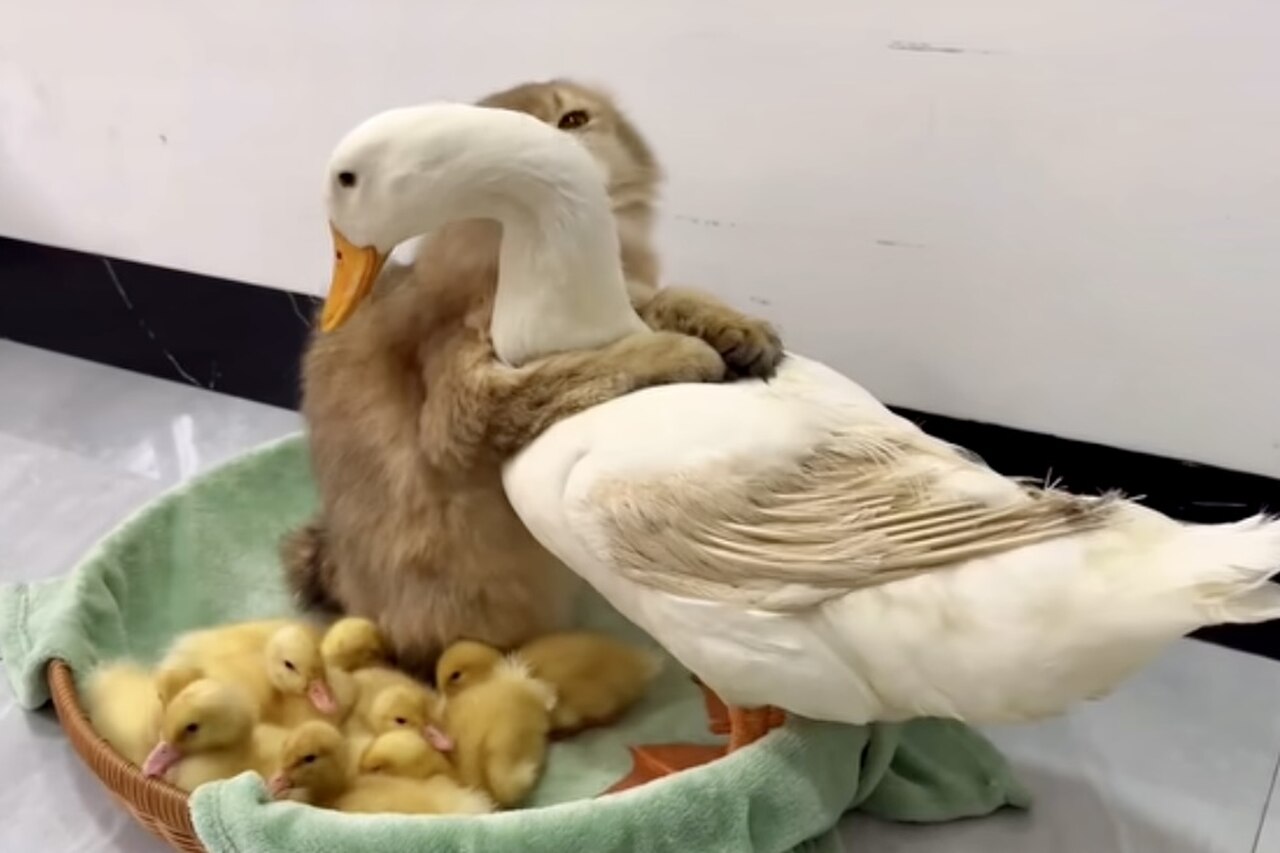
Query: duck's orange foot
x=717, y=713
x=743, y=726
x=658, y=760
x=748, y=725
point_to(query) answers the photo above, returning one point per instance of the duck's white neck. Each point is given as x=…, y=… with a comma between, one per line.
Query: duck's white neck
x=560, y=281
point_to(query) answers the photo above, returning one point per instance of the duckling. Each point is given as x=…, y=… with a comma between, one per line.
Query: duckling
x=210, y=731
x=353, y=643
x=170, y=679
x=407, y=754
x=315, y=766
x=499, y=717
x=404, y=752
x=240, y=638
x=416, y=708
x=371, y=682
x=125, y=707
x=231, y=653
x=303, y=685
x=596, y=678
x=402, y=497
x=374, y=794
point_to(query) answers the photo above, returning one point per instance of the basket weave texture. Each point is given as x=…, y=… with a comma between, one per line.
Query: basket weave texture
x=157, y=805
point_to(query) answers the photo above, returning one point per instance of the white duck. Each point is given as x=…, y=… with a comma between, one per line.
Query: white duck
x=793, y=543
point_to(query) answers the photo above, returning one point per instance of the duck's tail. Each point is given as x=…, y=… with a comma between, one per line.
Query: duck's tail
x=1230, y=567
x=308, y=566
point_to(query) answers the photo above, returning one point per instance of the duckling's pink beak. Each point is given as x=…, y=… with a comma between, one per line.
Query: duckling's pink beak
x=161, y=759
x=322, y=697
x=278, y=785
x=435, y=736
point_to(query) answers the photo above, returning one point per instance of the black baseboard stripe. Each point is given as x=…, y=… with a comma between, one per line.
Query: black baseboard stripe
x=245, y=340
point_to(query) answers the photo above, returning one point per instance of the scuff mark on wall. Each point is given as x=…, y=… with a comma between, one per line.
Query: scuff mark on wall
x=705, y=223
x=930, y=47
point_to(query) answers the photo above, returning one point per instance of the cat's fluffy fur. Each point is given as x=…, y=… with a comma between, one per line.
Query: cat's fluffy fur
x=410, y=418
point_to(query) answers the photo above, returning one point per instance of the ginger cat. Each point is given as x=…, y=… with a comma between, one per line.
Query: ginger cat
x=409, y=423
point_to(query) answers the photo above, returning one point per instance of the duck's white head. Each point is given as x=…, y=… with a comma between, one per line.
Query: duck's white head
x=408, y=171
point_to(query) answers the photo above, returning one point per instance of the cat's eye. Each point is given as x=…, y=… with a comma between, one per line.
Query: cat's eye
x=573, y=119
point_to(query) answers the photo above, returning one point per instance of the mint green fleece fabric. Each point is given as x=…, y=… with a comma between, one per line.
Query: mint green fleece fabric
x=205, y=554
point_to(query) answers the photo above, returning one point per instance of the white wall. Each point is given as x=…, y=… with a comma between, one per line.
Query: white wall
x=1062, y=215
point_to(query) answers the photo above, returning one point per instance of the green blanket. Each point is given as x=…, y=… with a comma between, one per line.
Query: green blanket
x=205, y=554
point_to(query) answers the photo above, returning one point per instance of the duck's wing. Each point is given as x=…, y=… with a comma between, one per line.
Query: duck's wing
x=774, y=496
x=847, y=517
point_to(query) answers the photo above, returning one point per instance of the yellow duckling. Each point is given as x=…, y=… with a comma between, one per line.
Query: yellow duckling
x=232, y=653
x=596, y=678
x=302, y=686
x=416, y=708
x=404, y=752
x=210, y=731
x=499, y=717
x=315, y=767
x=125, y=707
x=372, y=682
x=353, y=643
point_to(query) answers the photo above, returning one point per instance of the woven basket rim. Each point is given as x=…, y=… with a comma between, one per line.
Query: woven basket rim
x=149, y=800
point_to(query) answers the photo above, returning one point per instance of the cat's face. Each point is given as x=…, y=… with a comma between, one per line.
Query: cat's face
x=592, y=117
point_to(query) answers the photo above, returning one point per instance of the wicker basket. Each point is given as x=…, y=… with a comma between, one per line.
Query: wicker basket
x=157, y=805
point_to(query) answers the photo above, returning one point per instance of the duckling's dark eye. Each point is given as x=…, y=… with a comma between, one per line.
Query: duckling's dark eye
x=347, y=179
x=192, y=728
x=456, y=677
x=289, y=666
x=573, y=119
x=401, y=721
x=309, y=759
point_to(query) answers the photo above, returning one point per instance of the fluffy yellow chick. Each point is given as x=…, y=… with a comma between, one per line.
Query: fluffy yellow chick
x=353, y=643
x=303, y=687
x=374, y=794
x=499, y=717
x=315, y=766
x=404, y=752
x=210, y=731
x=596, y=678
x=371, y=682
x=124, y=705
x=415, y=707
x=231, y=653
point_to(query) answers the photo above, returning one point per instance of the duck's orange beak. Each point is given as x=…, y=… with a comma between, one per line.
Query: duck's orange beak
x=355, y=268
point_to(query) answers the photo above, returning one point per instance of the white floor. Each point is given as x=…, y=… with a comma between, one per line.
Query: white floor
x=1183, y=759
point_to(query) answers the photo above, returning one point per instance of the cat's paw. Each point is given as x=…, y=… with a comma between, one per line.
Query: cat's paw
x=749, y=347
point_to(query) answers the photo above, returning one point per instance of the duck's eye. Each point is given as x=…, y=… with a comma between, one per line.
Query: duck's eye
x=309, y=759
x=401, y=721
x=456, y=677
x=289, y=666
x=573, y=119
x=192, y=728
x=347, y=179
